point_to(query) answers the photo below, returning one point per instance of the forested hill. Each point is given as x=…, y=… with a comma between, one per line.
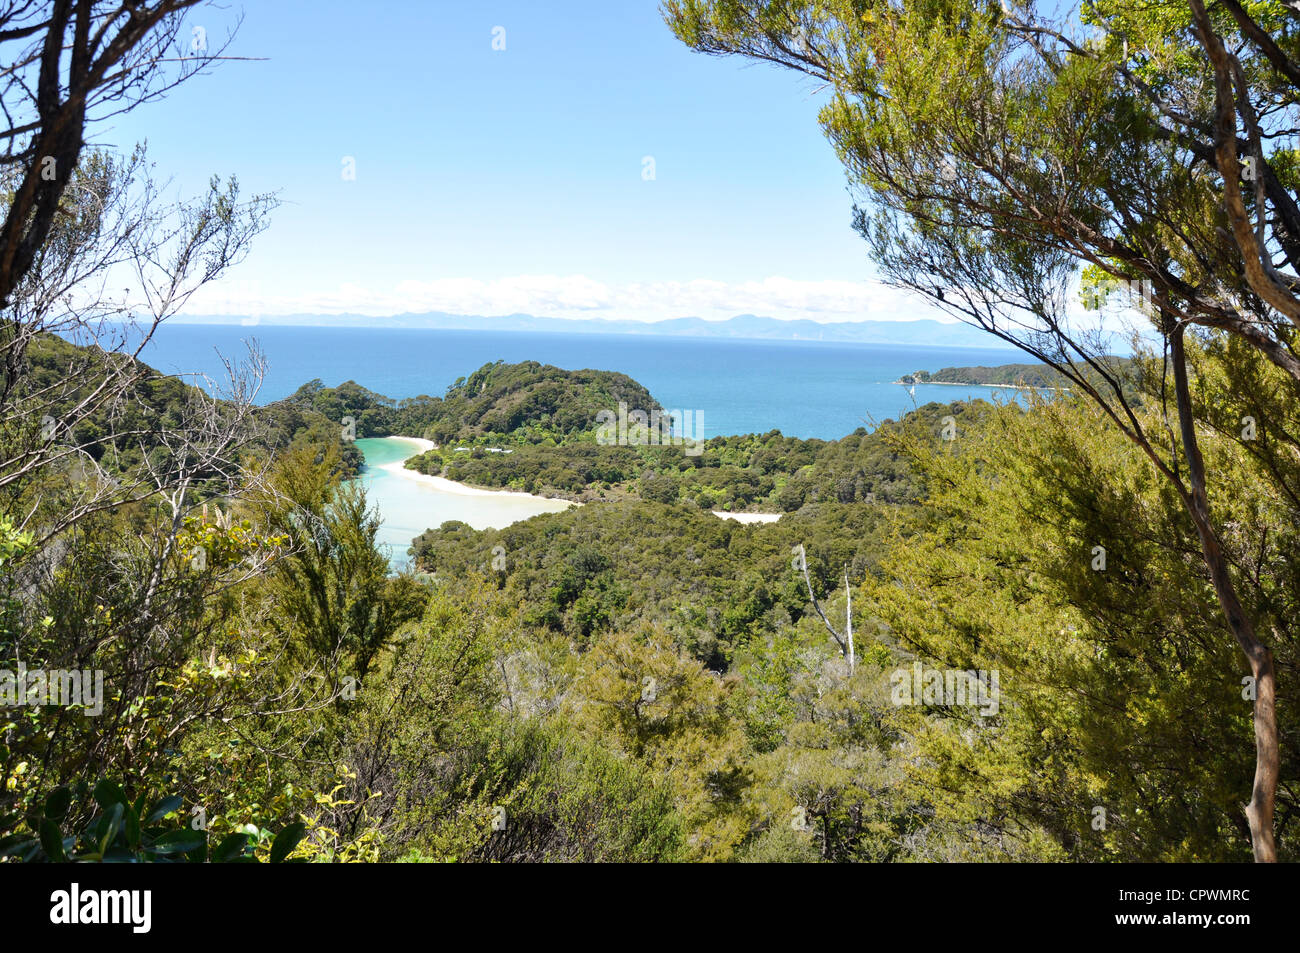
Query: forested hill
x=541, y=422
x=1012, y=375
x=524, y=402
x=133, y=417
x=1006, y=375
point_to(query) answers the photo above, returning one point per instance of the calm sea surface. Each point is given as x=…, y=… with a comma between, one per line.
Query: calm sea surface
x=802, y=388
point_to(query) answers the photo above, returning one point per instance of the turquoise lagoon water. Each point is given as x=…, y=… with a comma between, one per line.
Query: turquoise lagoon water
x=408, y=507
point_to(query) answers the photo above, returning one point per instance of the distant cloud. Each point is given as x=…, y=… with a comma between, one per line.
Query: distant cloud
x=577, y=296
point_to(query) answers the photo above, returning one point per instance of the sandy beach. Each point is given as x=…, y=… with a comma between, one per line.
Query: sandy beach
x=419, y=442
x=399, y=468
x=748, y=517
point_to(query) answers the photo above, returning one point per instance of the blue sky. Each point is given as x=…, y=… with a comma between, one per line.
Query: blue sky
x=499, y=181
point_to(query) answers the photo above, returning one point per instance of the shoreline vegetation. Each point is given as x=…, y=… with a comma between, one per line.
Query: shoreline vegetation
x=537, y=430
x=529, y=431
x=908, y=381
x=458, y=488
x=1014, y=376
x=534, y=432
x=1037, y=377
x=423, y=445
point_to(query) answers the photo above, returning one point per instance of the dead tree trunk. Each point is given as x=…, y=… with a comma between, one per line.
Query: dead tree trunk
x=845, y=642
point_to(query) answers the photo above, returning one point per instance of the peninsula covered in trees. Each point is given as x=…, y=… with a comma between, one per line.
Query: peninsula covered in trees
x=1003, y=375
x=540, y=429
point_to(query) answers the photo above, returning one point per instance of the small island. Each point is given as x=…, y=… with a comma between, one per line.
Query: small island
x=1017, y=376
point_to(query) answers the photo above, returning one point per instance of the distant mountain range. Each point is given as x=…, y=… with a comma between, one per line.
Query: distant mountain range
x=920, y=333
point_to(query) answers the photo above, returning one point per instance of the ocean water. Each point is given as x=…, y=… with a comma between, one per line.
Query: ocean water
x=802, y=388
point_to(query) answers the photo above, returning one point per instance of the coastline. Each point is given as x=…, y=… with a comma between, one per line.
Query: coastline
x=747, y=518
x=399, y=468
x=970, y=384
x=462, y=489
x=420, y=442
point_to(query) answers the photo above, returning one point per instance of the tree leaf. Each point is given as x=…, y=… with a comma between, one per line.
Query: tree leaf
x=57, y=804
x=177, y=842
x=163, y=807
x=131, y=826
x=109, y=825
x=199, y=855
x=108, y=793
x=287, y=840
x=231, y=848
x=52, y=840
